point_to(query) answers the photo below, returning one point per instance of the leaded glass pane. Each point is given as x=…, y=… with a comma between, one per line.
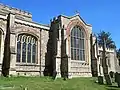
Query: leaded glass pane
x=79, y=33
x=82, y=34
x=72, y=53
x=26, y=48
x=24, y=52
x=18, y=51
x=83, y=44
x=34, y=53
x=72, y=33
x=77, y=54
x=83, y=55
x=29, y=53
x=82, y=41
x=75, y=32
x=77, y=44
x=74, y=42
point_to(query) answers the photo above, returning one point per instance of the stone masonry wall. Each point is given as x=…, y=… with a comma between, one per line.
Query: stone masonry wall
x=44, y=40
x=76, y=67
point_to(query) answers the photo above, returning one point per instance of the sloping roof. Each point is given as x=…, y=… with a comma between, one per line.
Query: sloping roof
x=69, y=17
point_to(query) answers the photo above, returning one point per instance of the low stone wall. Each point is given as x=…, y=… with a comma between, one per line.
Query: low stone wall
x=80, y=69
x=81, y=74
x=28, y=70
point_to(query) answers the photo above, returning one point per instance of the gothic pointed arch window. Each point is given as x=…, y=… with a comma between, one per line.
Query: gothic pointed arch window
x=77, y=44
x=26, y=48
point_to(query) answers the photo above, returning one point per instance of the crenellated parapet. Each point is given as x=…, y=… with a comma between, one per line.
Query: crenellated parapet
x=20, y=14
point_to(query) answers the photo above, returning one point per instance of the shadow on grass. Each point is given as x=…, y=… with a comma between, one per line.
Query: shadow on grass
x=112, y=87
x=8, y=87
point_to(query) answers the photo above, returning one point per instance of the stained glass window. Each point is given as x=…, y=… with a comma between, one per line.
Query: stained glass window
x=77, y=44
x=26, y=48
x=18, y=51
x=29, y=53
x=24, y=52
x=33, y=53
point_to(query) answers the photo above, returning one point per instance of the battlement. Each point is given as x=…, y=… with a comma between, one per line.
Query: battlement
x=19, y=13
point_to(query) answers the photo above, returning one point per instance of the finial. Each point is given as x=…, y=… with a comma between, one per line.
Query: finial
x=50, y=20
x=77, y=12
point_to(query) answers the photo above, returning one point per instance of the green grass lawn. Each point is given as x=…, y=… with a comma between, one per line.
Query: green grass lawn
x=46, y=83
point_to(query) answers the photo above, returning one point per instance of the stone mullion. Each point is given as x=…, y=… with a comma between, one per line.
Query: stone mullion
x=21, y=52
x=27, y=42
x=76, y=48
x=31, y=51
x=73, y=49
x=22, y=41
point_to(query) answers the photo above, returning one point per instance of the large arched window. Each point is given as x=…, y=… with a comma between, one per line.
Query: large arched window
x=77, y=44
x=26, y=48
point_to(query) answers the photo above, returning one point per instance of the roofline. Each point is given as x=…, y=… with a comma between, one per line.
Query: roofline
x=31, y=23
x=9, y=9
x=34, y=24
x=69, y=17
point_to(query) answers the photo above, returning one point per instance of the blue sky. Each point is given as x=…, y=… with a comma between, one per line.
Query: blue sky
x=101, y=14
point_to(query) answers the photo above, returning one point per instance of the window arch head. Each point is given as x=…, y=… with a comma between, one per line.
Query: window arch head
x=77, y=43
x=77, y=31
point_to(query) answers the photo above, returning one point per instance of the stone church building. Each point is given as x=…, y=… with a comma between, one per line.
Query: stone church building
x=65, y=46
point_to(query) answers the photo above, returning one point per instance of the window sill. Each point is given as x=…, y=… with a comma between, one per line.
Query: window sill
x=27, y=64
x=78, y=61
